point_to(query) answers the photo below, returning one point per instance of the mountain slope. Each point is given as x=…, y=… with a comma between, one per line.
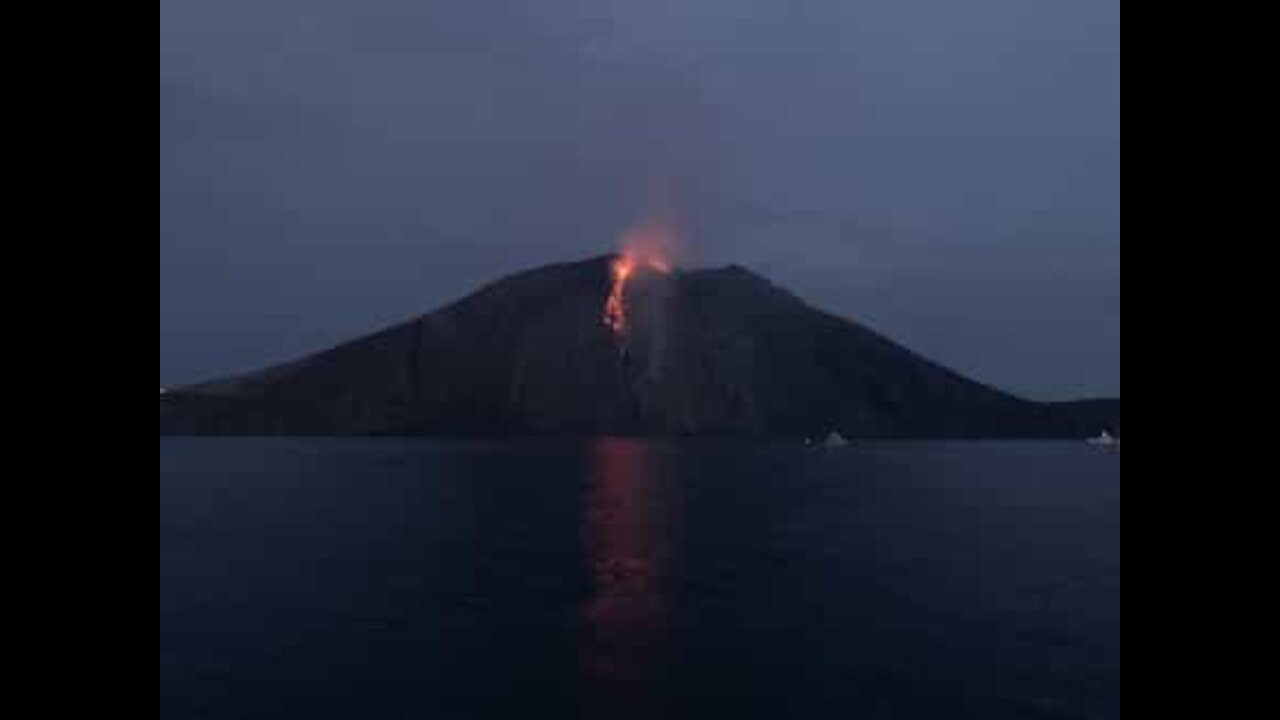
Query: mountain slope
x=709, y=353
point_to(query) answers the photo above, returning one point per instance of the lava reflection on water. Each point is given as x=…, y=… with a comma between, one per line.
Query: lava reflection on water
x=625, y=546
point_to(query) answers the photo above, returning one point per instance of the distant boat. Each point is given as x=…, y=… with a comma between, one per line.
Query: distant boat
x=1106, y=439
x=834, y=441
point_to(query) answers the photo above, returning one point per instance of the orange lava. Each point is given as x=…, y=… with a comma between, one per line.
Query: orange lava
x=625, y=269
x=646, y=248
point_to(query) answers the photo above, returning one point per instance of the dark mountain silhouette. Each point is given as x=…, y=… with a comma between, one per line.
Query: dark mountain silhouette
x=709, y=353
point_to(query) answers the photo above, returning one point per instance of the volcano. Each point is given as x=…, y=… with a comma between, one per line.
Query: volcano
x=711, y=353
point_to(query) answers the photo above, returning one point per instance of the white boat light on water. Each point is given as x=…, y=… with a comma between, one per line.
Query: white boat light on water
x=1106, y=439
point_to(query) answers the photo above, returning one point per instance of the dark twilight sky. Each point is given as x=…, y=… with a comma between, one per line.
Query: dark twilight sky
x=947, y=173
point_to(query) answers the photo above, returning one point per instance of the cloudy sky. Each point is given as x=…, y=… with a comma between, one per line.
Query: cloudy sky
x=948, y=173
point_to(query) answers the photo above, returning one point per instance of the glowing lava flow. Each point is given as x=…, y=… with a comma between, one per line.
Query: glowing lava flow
x=625, y=269
x=646, y=248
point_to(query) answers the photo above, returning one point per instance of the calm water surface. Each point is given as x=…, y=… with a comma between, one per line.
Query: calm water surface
x=370, y=580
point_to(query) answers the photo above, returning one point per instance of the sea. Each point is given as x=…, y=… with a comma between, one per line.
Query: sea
x=636, y=580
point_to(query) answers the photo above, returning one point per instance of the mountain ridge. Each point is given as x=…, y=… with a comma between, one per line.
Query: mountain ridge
x=718, y=352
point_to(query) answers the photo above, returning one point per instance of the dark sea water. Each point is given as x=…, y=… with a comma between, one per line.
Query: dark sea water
x=371, y=580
